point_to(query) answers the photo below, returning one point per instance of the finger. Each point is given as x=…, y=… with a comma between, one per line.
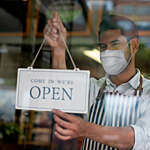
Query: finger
x=49, y=22
x=62, y=131
x=47, y=28
x=54, y=16
x=55, y=36
x=61, y=26
x=53, y=25
x=63, y=123
x=57, y=23
x=50, y=40
x=66, y=116
x=51, y=36
x=54, y=31
x=61, y=137
x=51, y=33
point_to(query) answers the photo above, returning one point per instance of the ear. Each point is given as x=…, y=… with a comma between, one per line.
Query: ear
x=134, y=45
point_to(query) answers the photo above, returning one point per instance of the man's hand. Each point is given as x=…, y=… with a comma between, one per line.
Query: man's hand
x=68, y=126
x=52, y=32
x=55, y=34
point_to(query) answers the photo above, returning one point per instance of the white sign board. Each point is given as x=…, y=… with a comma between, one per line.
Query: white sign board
x=46, y=89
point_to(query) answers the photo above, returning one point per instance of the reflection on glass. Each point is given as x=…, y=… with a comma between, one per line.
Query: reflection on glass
x=21, y=33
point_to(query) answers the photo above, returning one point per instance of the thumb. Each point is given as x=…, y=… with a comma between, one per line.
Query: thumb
x=54, y=17
x=61, y=26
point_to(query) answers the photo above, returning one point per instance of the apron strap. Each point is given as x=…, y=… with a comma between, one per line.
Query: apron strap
x=100, y=92
x=139, y=89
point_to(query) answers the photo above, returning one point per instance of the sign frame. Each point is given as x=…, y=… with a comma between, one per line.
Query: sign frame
x=86, y=74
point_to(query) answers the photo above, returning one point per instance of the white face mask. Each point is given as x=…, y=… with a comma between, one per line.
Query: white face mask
x=114, y=61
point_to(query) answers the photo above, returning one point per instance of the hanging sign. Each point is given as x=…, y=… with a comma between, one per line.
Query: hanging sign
x=46, y=89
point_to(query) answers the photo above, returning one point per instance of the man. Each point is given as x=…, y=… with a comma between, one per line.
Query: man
x=118, y=41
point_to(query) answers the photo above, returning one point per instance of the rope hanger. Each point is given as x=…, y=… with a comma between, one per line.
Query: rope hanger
x=44, y=40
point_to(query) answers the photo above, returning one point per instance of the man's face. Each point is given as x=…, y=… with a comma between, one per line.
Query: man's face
x=113, y=40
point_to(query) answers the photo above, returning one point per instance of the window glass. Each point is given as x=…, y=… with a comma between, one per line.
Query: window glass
x=21, y=33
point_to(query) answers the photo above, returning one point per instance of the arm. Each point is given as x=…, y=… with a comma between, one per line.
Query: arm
x=118, y=137
x=54, y=39
x=121, y=138
x=58, y=58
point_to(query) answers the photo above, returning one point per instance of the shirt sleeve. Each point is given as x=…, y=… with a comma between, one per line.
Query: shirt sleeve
x=142, y=129
x=92, y=91
x=91, y=98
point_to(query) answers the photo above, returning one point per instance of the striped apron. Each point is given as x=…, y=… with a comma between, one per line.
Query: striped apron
x=113, y=110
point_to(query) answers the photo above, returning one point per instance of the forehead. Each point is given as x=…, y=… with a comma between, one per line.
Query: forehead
x=111, y=35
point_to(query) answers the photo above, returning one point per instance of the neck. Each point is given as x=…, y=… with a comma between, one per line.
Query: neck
x=126, y=75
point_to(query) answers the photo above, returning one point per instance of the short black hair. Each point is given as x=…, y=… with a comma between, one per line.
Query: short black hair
x=111, y=22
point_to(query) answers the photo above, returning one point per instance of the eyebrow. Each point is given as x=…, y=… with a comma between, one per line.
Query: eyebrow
x=114, y=41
